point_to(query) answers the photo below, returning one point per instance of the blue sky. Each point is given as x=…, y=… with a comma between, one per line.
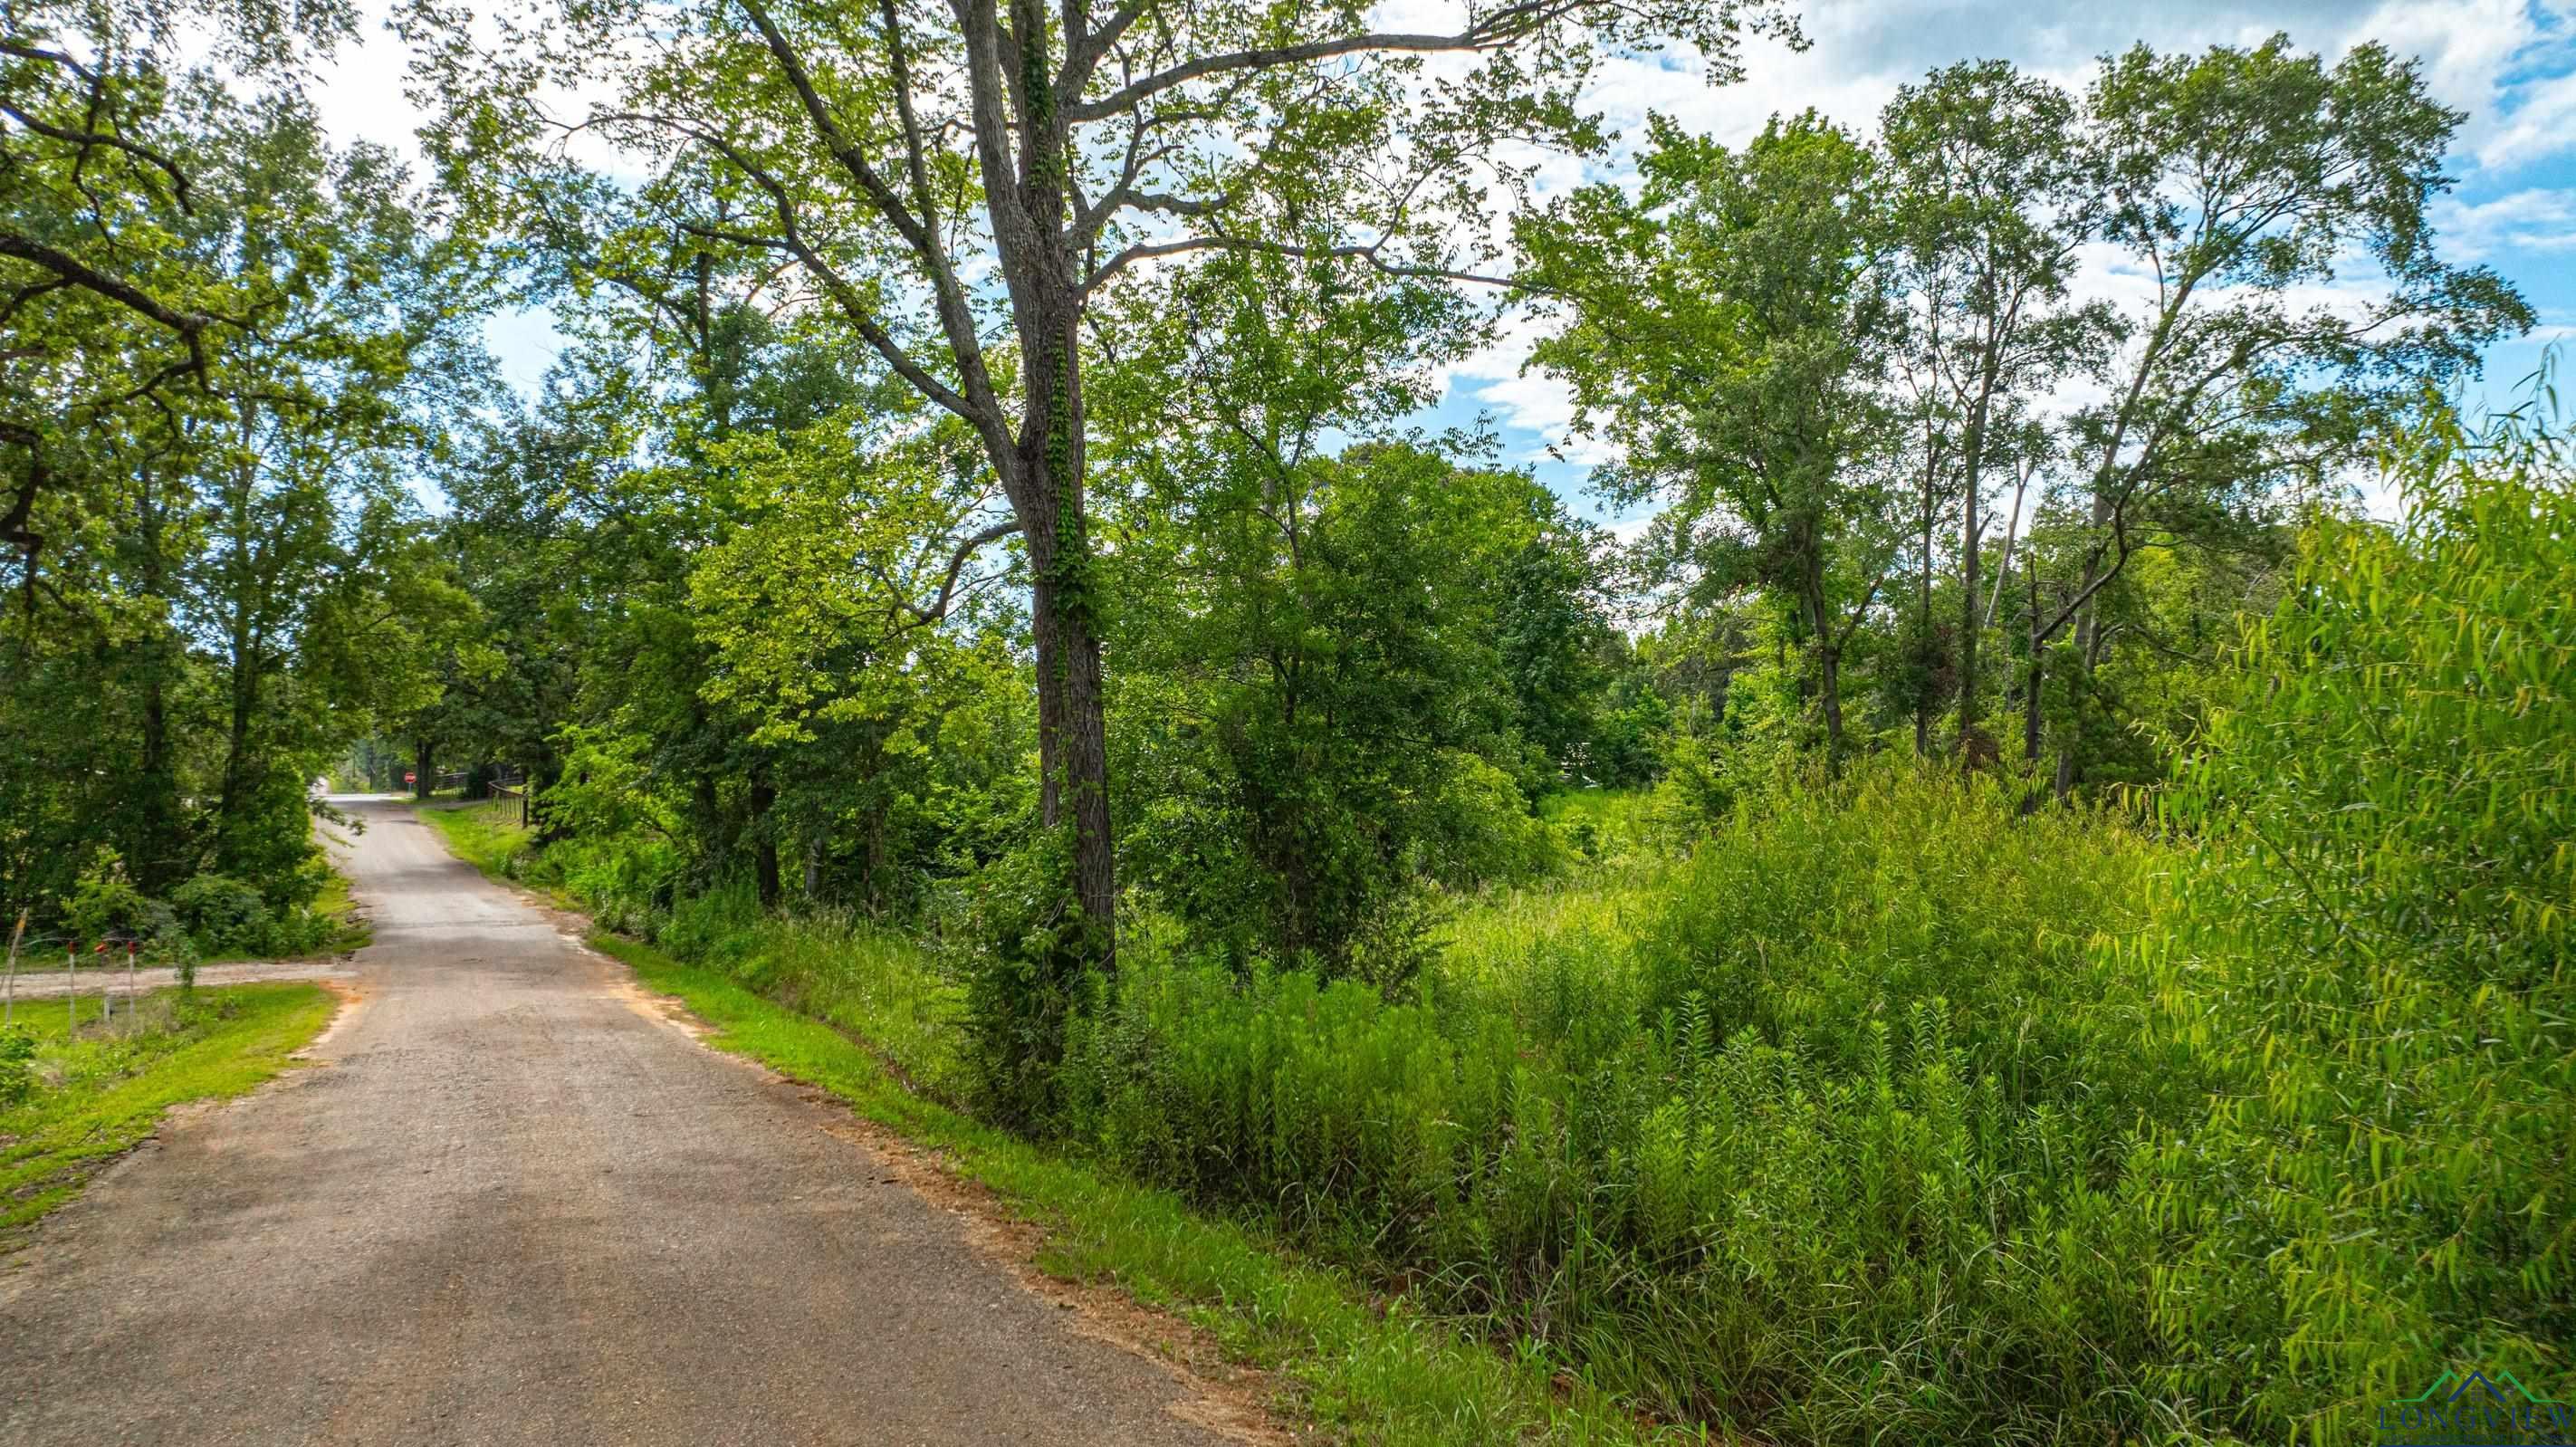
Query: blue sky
x=2511, y=64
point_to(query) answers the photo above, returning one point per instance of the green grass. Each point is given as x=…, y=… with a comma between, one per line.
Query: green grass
x=485, y=835
x=102, y=1088
x=1370, y=1371
x=350, y=929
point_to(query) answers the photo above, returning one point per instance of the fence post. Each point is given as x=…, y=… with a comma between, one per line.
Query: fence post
x=71, y=967
x=9, y=990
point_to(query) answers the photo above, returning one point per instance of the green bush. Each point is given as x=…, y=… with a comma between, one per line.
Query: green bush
x=17, y=1065
x=215, y=914
x=630, y=881
x=106, y=904
x=223, y=915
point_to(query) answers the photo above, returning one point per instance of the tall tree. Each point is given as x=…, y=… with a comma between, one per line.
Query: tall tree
x=1323, y=640
x=1729, y=326
x=960, y=183
x=101, y=306
x=224, y=550
x=320, y=414
x=1991, y=205
x=2240, y=182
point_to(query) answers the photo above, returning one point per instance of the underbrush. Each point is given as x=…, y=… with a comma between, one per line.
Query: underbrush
x=1817, y=1133
x=302, y=912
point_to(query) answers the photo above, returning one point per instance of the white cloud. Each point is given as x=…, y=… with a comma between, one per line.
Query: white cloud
x=2541, y=125
x=2510, y=64
x=359, y=94
x=1524, y=398
x=2510, y=228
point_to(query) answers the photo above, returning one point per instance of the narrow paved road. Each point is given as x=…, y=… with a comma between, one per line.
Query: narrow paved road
x=516, y=1206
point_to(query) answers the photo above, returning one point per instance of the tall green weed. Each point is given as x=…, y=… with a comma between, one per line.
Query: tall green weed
x=1821, y=1135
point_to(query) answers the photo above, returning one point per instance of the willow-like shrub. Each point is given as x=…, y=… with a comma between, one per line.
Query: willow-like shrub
x=2372, y=945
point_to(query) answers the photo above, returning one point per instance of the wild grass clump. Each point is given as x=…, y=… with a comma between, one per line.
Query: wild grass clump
x=835, y=965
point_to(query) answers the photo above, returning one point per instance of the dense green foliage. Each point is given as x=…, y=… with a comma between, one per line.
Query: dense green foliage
x=976, y=575
x=2375, y=954
x=1883, y=1108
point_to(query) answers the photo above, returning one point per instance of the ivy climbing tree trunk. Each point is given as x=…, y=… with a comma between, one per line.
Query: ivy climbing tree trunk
x=1047, y=290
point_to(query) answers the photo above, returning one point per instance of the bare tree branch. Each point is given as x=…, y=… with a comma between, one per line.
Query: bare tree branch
x=967, y=548
x=190, y=326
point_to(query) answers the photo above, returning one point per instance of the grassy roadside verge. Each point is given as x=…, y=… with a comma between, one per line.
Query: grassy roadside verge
x=1363, y=1371
x=350, y=929
x=101, y=1089
x=479, y=836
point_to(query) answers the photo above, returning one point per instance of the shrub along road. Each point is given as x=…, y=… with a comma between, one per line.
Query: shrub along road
x=517, y=1204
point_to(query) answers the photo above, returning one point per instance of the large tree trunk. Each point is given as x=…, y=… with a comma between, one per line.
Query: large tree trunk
x=422, y=779
x=1830, y=670
x=1073, y=728
x=234, y=793
x=1064, y=611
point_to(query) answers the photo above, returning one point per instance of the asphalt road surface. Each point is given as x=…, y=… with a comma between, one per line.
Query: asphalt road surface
x=514, y=1204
